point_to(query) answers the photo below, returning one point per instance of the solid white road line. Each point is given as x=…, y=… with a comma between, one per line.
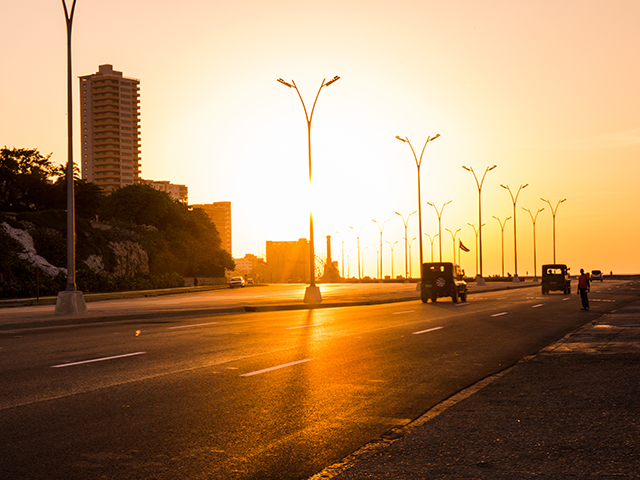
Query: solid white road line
x=429, y=330
x=194, y=325
x=97, y=360
x=499, y=314
x=258, y=372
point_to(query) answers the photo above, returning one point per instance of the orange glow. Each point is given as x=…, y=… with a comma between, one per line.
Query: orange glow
x=558, y=111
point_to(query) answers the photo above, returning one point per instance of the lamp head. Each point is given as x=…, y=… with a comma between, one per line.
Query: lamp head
x=333, y=80
x=401, y=139
x=489, y=169
x=525, y=185
x=285, y=83
x=466, y=168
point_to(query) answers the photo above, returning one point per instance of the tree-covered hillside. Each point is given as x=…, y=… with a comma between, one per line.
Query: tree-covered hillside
x=135, y=238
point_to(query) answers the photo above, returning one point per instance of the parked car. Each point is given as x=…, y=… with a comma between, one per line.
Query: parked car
x=556, y=277
x=443, y=280
x=236, y=282
x=596, y=275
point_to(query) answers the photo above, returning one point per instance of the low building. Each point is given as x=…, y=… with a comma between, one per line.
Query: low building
x=250, y=266
x=288, y=262
x=177, y=192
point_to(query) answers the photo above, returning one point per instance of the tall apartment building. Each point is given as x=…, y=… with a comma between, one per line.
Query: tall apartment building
x=110, y=128
x=220, y=215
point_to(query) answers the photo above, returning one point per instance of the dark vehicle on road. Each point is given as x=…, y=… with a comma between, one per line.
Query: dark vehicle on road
x=555, y=277
x=443, y=280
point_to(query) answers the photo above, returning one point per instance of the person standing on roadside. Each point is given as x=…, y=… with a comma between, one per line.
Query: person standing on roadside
x=584, y=288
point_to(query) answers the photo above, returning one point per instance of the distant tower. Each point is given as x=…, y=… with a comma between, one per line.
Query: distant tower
x=110, y=128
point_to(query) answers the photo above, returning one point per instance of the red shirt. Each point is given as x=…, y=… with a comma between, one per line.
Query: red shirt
x=583, y=281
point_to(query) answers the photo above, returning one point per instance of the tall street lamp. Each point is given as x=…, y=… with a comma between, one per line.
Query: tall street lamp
x=453, y=238
x=502, y=224
x=312, y=293
x=391, y=245
x=357, y=232
x=479, y=279
x=410, y=242
x=475, y=231
x=431, y=239
x=533, y=220
x=363, y=262
x=514, y=199
x=553, y=212
x=439, y=214
x=381, y=228
x=406, y=240
x=418, y=163
x=70, y=301
x=342, y=235
x=377, y=257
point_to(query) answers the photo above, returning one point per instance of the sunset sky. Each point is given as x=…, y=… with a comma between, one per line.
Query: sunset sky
x=549, y=91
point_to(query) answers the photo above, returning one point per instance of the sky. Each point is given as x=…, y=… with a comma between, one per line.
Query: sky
x=548, y=91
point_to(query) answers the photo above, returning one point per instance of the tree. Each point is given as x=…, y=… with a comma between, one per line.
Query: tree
x=25, y=180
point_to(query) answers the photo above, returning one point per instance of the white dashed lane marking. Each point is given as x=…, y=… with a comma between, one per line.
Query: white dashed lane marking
x=97, y=360
x=428, y=330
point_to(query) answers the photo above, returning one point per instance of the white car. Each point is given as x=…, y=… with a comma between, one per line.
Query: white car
x=236, y=282
x=596, y=275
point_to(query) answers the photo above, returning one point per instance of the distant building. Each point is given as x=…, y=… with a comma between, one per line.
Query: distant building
x=220, y=215
x=177, y=192
x=250, y=266
x=288, y=262
x=110, y=128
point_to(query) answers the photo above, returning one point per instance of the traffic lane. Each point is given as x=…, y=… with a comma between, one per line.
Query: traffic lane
x=172, y=342
x=283, y=399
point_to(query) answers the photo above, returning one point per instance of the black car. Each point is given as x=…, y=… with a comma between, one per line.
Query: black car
x=556, y=277
x=443, y=280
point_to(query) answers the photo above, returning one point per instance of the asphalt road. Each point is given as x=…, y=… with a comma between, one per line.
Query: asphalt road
x=256, y=395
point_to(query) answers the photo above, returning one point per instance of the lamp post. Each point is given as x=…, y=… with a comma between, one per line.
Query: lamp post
x=431, y=240
x=418, y=163
x=363, y=263
x=381, y=228
x=70, y=301
x=410, y=242
x=406, y=240
x=439, y=214
x=377, y=257
x=553, y=212
x=533, y=220
x=312, y=293
x=453, y=238
x=342, y=238
x=502, y=224
x=348, y=262
x=475, y=231
x=514, y=199
x=391, y=245
x=357, y=232
x=479, y=279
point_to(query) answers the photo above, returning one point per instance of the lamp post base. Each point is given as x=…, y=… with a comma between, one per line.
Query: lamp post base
x=312, y=295
x=480, y=281
x=70, y=303
x=516, y=279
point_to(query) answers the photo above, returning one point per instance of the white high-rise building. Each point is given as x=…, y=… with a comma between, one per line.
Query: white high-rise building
x=110, y=128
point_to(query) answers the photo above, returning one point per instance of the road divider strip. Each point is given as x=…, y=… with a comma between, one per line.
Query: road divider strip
x=428, y=330
x=284, y=365
x=97, y=360
x=194, y=325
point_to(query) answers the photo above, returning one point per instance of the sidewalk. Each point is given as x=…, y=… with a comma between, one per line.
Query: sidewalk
x=570, y=411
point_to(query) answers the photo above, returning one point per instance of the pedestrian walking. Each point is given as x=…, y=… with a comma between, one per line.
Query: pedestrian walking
x=583, y=289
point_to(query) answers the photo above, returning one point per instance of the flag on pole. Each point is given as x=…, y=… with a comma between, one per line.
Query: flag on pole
x=462, y=247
